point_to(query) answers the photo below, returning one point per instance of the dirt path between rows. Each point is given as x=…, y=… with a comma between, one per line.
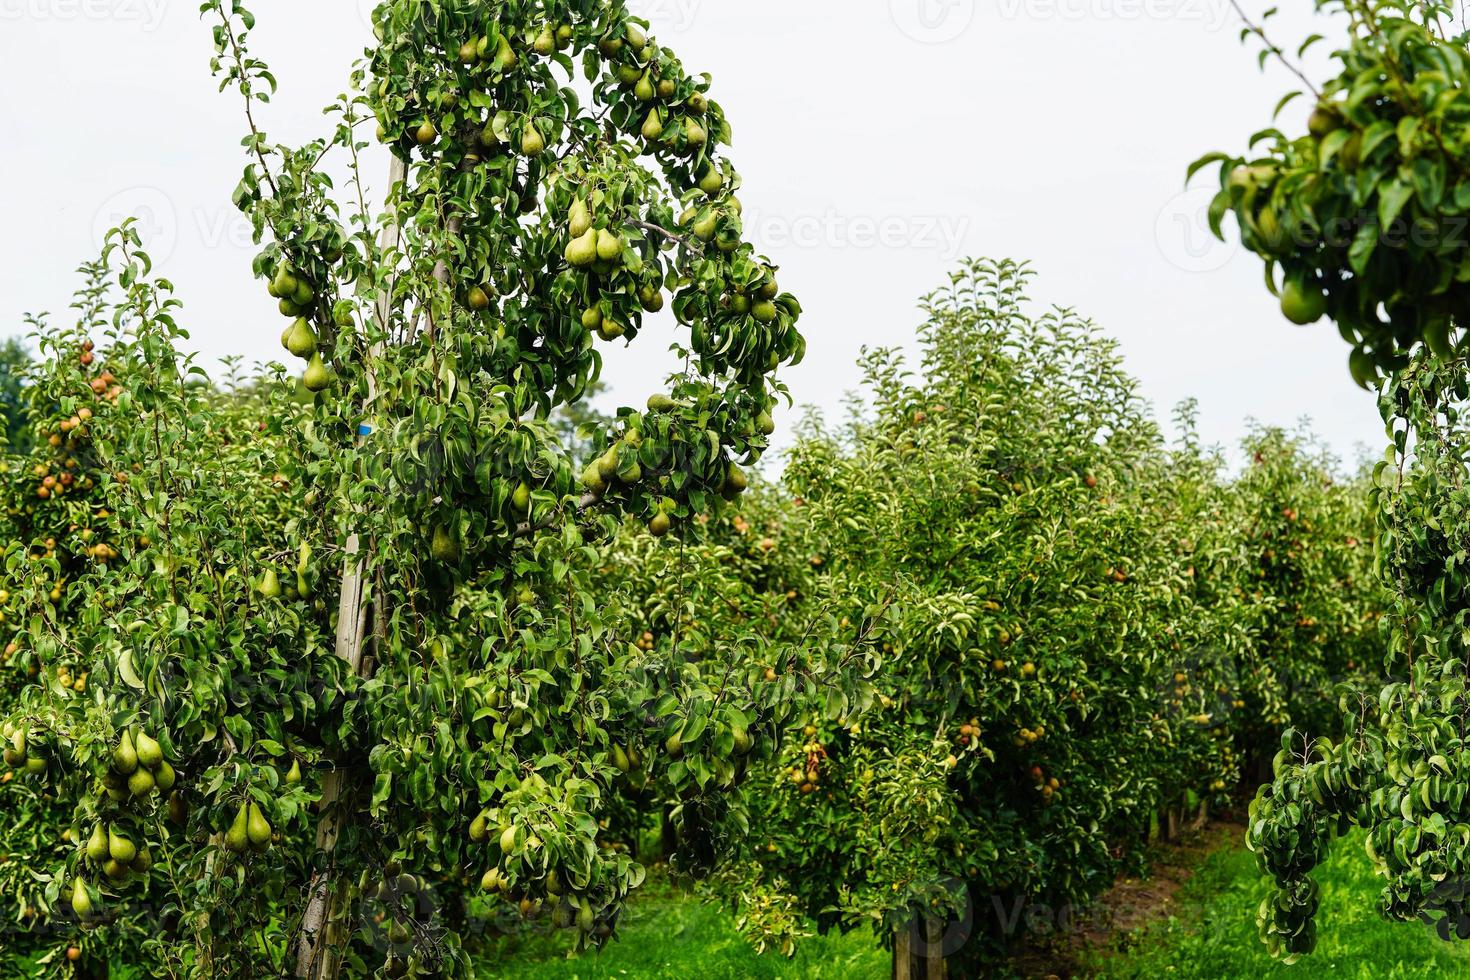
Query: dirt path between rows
x=1131, y=904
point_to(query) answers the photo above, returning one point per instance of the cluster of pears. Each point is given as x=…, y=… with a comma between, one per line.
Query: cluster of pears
x=270, y=581
x=21, y=752
x=590, y=247
x=297, y=296
x=250, y=829
x=110, y=849
x=638, y=71
x=619, y=464
x=138, y=769
x=629, y=761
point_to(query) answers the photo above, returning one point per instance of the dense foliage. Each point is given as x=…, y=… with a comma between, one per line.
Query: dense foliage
x=1081, y=628
x=1382, y=160
x=321, y=676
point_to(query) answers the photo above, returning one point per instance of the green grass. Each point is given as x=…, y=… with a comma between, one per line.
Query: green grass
x=666, y=935
x=1213, y=932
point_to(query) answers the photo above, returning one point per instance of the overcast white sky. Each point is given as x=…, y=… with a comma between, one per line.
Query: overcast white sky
x=879, y=140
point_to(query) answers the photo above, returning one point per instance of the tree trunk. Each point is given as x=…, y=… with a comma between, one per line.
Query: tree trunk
x=318, y=953
x=934, y=949
x=903, y=953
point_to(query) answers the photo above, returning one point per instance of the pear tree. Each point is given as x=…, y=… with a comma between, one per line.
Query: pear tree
x=1362, y=208
x=354, y=682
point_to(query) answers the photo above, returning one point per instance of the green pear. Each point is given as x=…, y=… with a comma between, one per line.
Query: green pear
x=666, y=88
x=651, y=298
x=81, y=899
x=765, y=423
x=480, y=827
x=695, y=135
x=698, y=104
x=580, y=218
x=143, y=861
x=304, y=295
x=150, y=753
x=505, y=56
x=120, y=848
x=165, y=777
x=545, y=43
x=114, y=869
x=426, y=133
x=592, y=318
x=637, y=40
x=178, y=810
x=582, y=252
x=257, y=828
x=125, y=757
x=607, y=463
x=735, y=479
x=469, y=51
x=609, y=245
x=611, y=330
x=712, y=182
x=563, y=35
x=478, y=298
x=283, y=286
x=445, y=545
x=660, y=525
x=644, y=91
x=674, y=746
x=141, y=783
x=270, y=584
x=293, y=775
x=706, y=226
x=317, y=377
x=97, y=845
x=592, y=479
x=342, y=313
x=521, y=498
x=621, y=760
x=653, y=126
x=508, y=839
x=764, y=311
x=237, y=838
x=661, y=403
x=532, y=142
x=585, y=919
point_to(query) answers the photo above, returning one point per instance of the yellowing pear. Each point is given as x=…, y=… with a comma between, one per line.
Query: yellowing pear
x=521, y=498
x=270, y=584
x=582, y=252
x=580, y=218
x=609, y=245
x=532, y=142
x=695, y=134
